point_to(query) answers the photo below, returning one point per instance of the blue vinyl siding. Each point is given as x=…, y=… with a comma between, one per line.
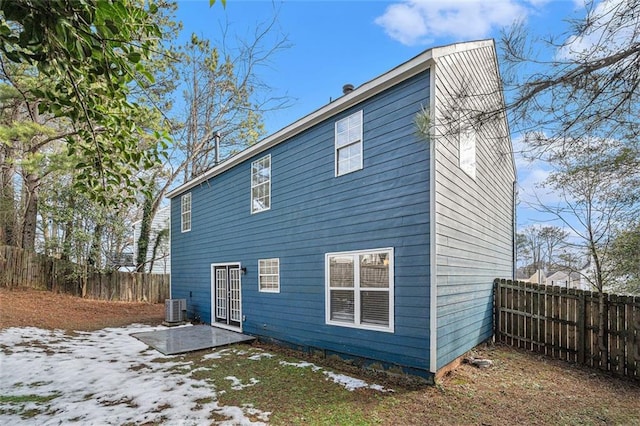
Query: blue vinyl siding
x=386, y=204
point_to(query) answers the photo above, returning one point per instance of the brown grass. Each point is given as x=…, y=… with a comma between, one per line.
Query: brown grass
x=520, y=387
x=44, y=309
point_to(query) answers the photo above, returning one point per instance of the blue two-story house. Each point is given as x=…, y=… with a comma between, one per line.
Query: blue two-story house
x=372, y=228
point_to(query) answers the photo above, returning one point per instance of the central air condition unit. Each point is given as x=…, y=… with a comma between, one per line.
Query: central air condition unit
x=174, y=310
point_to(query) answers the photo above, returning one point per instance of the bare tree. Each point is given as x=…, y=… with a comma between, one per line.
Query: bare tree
x=224, y=98
x=538, y=246
x=625, y=260
x=580, y=84
x=552, y=238
x=596, y=199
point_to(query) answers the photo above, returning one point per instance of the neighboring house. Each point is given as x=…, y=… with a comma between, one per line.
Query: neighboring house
x=538, y=277
x=522, y=274
x=120, y=261
x=571, y=279
x=160, y=263
x=349, y=232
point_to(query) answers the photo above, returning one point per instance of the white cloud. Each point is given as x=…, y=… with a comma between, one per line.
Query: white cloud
x=531, y=193
x=613, y=26
x=420, y=21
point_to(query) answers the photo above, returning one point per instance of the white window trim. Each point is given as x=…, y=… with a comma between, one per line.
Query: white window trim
x=467, y=150
x=356, y=324
x=254, y=211
x=183, y=228
x=269, y=290
x=361, y=142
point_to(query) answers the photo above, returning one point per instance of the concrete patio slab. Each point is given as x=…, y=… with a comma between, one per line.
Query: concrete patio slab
x=191, y=338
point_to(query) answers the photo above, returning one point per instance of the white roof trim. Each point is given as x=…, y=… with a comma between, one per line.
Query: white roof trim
x=365, y=91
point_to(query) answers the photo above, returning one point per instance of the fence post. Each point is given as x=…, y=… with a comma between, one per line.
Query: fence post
x=496, y=309
x=581, y=327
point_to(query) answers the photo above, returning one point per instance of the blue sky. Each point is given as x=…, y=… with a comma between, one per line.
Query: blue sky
x=338, y=42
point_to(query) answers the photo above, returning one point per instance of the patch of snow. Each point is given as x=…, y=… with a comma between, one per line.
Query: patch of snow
x=235, y=412
x=302, y=364
x=262, y=415
x=213, y=355
x=236, y=384
x=380, y=388
x=218, y=354
x=259, y=356
x=350, y=383
x=104, y=377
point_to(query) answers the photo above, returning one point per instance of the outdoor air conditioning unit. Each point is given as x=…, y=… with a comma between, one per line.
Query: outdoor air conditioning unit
x=174, y=310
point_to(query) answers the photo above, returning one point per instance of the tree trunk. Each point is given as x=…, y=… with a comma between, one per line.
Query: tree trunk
x=597, y=264
x=162, y=235
x=8, y=222
x=46, y=237
x=145, y=233
x=68, y=230
x=95, y=259
x=30, y=221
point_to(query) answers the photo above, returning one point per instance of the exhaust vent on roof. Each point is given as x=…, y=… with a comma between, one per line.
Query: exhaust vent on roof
x=347, y=88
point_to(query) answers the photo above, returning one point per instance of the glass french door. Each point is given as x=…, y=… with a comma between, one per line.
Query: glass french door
x=226, y=307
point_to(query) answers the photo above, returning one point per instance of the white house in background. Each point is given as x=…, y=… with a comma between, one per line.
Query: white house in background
x=538, y=277
x=162, y=259
x=571, y=279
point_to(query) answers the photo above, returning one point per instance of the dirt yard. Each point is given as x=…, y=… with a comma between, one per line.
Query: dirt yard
x=43, y=309
x=519, y=388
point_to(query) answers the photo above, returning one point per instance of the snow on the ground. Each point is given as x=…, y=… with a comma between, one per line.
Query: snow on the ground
x=103, y=377
x=301, y=364
x=107, y=377
x=259, y=356
x=350, y=383
x=236, y=384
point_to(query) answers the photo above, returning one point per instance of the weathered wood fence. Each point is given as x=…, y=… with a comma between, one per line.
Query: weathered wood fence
x=22, y=268
x=565, y=324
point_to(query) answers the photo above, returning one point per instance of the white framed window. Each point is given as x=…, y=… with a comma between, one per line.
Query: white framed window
x=468, y=150
x=185, y=212
x=359, y=289
x=348, y=144
x=261, y=184
x=269, y=275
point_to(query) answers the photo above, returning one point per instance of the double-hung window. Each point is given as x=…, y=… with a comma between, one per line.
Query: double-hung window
x=269, y=275
x=348, y=144
x=261, y=184
x=359, y=289
x=185, y=212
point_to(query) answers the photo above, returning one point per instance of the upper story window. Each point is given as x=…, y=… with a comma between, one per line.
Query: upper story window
x=261, y=184
x=468, y=150
x=269, y=275
x=185, y=210
x=359, y=289
x=348, y=144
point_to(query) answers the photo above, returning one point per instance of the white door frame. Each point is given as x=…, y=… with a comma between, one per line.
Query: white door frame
x=213, y=296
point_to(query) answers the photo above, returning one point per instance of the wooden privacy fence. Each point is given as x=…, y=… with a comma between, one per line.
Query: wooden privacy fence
x=565, y=324
x=22, y=268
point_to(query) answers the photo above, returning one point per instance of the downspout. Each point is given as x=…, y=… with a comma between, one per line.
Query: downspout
x=514, y=217
x=433, y=276
x=170, y=243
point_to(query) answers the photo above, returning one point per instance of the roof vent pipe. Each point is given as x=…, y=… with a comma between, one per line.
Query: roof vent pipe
x=347, y=88
x=216, y=137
